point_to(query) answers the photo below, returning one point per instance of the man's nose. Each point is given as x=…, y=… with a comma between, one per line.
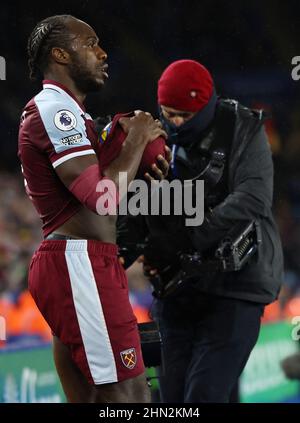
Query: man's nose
x=177, y=120
x=101, y=55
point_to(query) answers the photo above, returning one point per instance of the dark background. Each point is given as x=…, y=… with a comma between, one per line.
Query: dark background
x=248, y=47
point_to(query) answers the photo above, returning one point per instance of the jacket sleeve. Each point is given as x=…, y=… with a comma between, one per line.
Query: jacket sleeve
x=250, y=195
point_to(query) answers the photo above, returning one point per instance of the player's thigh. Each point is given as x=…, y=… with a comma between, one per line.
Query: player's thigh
x=129, y=390
x=75, y=385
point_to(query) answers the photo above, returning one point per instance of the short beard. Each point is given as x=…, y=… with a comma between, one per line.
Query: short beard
x=83, y=78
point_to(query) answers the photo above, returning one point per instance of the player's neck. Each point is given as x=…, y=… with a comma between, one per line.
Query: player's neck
x=68, y=83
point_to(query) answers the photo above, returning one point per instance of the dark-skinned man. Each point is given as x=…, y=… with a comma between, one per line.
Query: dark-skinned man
x=75, y=276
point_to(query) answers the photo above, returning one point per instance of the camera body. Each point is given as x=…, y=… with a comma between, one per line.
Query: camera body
x=233, y=252
x=151, y=343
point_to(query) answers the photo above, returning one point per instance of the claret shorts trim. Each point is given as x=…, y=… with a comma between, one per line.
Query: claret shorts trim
x=81, y=290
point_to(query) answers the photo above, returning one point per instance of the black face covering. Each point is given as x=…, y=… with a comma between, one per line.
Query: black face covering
x=191, y=130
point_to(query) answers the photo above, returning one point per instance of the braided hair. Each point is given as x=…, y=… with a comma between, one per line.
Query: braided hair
x=50, y=32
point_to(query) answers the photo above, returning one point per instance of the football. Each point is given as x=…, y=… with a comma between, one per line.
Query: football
x=112, y=138
x=152, y=150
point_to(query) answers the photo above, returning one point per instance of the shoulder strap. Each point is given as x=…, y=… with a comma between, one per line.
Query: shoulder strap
x=224, y=126
x=216, y=170
x=221, y=146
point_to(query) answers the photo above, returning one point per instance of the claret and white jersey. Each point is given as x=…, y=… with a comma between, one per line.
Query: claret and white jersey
x=54, y=128
x=79, y=285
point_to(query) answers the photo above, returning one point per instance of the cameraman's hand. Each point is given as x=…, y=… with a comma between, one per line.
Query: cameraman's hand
x=121, y=260
x=149, y=270
x=161, y=170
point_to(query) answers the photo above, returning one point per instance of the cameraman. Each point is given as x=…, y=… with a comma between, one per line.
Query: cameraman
x=211, y=325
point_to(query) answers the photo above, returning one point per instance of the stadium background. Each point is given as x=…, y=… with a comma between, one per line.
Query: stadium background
x=248, y=47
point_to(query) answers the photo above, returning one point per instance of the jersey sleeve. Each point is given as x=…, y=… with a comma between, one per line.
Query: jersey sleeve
x=65, y=131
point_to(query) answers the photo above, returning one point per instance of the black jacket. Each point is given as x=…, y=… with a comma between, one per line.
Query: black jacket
x=247, y=195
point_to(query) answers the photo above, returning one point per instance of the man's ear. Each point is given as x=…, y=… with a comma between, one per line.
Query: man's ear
x=60, y=55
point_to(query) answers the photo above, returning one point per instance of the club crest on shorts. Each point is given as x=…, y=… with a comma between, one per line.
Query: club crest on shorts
x=128, y=358
x=65, y=120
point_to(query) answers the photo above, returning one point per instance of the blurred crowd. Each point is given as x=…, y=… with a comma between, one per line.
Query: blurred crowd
x=20, y=231
x=20, y=235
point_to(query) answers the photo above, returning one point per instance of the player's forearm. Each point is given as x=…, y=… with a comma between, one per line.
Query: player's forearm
x=128, y=160
x=90, y=186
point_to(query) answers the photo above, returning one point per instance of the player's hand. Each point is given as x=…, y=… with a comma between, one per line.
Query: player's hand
x=160, y=170
x=142, y=126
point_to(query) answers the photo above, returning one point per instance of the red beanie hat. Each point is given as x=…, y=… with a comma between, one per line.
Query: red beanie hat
x=185, y=85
